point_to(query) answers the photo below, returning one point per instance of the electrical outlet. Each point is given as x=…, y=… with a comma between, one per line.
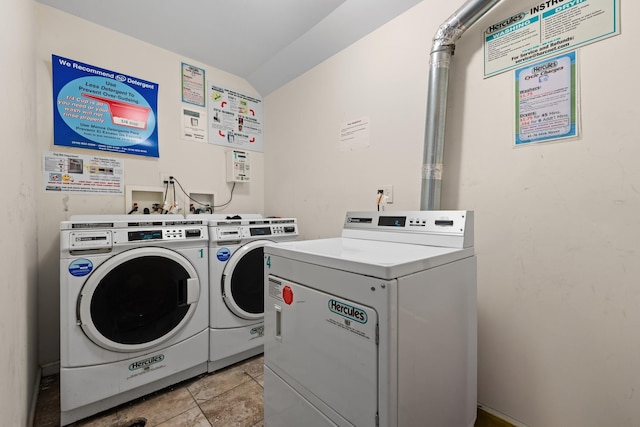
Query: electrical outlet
x=164, y=177
x=388, y=191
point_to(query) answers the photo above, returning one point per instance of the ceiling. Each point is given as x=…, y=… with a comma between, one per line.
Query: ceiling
x=267, y=42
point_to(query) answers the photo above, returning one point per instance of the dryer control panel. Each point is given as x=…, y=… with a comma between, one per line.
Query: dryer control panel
x=452, y=229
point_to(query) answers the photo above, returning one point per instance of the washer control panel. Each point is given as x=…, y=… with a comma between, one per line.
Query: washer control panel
x=254, y=228
x=164, y=234
x=272, y=229
x=101, y=233
x=284, y=229
x=85, y=240
x=227, y=233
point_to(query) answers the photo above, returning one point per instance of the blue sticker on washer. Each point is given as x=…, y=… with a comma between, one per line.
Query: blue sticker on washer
x=80, y=267
x=223, y=254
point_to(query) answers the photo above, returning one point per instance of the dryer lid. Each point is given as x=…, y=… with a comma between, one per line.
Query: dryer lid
x=385, y=260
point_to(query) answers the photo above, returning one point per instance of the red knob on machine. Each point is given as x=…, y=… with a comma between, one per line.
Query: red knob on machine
x=287, y=295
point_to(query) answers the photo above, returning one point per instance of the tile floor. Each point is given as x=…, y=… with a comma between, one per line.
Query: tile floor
x=230, y=397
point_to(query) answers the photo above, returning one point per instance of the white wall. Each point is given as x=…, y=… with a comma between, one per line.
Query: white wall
x=557, y=225
x=18, y=263
x=199, y=166
x=382, y=77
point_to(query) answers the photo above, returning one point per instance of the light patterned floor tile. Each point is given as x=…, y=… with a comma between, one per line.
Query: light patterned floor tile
x=192, y=418
x=253, y=367
x=222, y=381
x=239, y=407
x=260, y=380
x=107, y=419
x=159, y=408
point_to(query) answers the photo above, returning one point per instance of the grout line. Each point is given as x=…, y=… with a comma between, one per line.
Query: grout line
x=184, y=412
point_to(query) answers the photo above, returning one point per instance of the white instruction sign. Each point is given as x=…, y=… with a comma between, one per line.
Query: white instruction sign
x=69, y=172
x=193, y=89
x=546, y=107
x=194, y=124
x=548, y=28
x=235, y=119
x=354, y=134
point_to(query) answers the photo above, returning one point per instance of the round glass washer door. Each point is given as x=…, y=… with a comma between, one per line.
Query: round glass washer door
x=243, y=281
x=138, y=299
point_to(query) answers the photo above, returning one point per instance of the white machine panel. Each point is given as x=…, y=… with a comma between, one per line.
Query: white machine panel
x=238, y=166
x=386, y=260
x=327, y=343
x=134, y=294
x=327, y=364
x=85, y=240
x=236, y=314
x=286, y=407
x=450, y=229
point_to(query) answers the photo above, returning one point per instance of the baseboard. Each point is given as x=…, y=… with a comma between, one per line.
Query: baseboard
x=34, y=398
x=500, y=415
x=52, y=368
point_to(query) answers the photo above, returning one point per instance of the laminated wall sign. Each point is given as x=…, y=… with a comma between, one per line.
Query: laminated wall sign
x=75, y=173
x=547, y=28
x=546, y=100
x=235, y=119
x=193, y=89
x=100, y=109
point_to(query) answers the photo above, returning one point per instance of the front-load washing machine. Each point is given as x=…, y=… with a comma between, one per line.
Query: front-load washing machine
x=236, y=273
x=134, y=312
x=374, y=328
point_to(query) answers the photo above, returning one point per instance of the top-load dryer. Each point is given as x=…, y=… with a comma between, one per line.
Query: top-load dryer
x=236, y=273
x=134, y=309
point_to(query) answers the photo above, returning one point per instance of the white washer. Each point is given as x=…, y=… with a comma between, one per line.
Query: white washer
x=374, y=328
x=134, y=312
x=236, y=276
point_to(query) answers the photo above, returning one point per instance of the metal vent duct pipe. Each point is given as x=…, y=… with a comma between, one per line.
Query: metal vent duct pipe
x=441, y=52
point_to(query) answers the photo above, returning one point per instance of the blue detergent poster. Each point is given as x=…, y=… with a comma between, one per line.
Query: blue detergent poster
x=103, y=110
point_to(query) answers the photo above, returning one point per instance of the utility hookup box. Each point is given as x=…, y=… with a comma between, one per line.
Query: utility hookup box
x=238, y=169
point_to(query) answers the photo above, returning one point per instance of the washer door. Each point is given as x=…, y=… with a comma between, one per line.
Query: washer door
x=243, y=281
x=138, y=299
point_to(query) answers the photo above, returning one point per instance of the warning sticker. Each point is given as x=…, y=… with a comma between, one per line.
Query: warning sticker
x=275, y=289
x=347, y=325
x=280, y=292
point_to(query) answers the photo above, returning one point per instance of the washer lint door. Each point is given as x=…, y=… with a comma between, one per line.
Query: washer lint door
x=328, y=345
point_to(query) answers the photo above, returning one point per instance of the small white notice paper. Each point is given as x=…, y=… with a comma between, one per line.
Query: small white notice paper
x=354, y=134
